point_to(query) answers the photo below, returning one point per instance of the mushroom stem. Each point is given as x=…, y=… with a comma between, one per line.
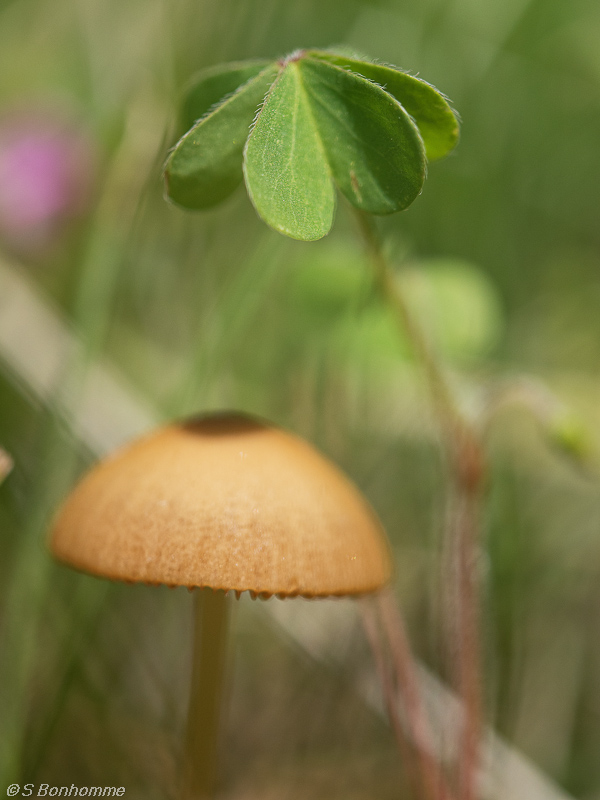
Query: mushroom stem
x=211, y=617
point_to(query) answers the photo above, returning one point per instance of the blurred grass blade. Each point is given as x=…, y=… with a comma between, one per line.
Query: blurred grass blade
x=212, y=85
x=6, y=464
x=286, y=171
x=374, y=149
x=206, y=164
x=430, y=110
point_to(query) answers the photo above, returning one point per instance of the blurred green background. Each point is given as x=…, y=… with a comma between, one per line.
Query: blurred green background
x=500, y=261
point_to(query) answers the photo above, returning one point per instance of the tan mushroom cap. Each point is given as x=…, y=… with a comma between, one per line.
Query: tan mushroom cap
x=224, y=501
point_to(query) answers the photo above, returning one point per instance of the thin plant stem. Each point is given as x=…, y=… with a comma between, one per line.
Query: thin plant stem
x=434, y=783
x=466, y=462
x=464, y=534
x=372, y=630
x=200, y=768
x=462, y=444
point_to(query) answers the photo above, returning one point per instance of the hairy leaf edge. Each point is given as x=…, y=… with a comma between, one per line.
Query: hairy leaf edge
x=318, y=55
x=410, y=119
x=284, y=64
x=215, y=70
x=376, y=62
x=215, y=107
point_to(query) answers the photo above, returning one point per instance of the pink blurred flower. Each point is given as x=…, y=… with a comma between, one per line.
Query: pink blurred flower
x=46, y=174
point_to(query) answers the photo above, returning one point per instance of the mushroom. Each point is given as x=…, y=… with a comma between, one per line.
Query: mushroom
x=222, y=502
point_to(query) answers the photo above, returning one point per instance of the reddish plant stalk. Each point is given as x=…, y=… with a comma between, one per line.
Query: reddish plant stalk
x=466, y=463
x=432, y=776
x=462, y=586
x=372, y=630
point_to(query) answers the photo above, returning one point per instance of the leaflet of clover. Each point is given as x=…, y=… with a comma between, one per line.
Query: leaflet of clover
x=321, y=122
x=209, y=86
x=374, y=149
x=205, y=166
x=430, y=110
x=286, y=172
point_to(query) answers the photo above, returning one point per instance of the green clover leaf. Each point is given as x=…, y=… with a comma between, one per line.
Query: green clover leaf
x=297, y=128
x=212, y=85
x=433, y=115
x=206, y=164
